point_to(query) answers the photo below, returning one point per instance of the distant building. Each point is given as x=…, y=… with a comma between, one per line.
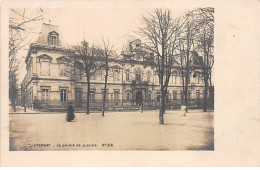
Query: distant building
x=133, y=80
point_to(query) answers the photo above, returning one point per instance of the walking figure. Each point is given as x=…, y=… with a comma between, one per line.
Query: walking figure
x=70, y=113
x=183, y=110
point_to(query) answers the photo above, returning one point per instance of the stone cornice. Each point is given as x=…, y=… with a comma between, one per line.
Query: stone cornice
x=34, y=47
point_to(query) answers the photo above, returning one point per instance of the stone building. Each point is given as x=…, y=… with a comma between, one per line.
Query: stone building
x=132, y=79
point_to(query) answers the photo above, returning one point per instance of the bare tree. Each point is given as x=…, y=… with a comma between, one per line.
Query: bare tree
x=205, y=47
x=20, y=29
x=186, y=47
x=86, y=61
x=105, y=53
x=160, y=33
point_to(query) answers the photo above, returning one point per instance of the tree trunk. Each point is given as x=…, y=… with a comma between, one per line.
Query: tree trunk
x=24, y=103
x=162, y=108
x=104, y=96
x=142, y=107
x=13, y=105
x=88, y=94
x=205, y=105
x=186, y=90
x=210, y=80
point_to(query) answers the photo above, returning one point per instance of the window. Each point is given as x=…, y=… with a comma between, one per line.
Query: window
x=182, y=96
x=174, y=95
x=158, y=96
x=78, y=75
x=181, y=80
x=149, y=97
x=174, y=77
x=205, y=94
x=116, y=94
x=78, y=96
x=102, y=74
x=167, y=97
x=138, y=76
x=45, y=95
x=197, y=78
x=116, y=75
x=148, y=76
x=127, y=75
x=63, y=70
x=128, y=97
x=63, y=95
x=53, y=38
x=45, y=68
x=92, y=95
x=103, y=94
x=197, y=94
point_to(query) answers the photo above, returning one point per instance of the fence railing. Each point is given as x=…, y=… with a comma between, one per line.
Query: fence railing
x=54, y=105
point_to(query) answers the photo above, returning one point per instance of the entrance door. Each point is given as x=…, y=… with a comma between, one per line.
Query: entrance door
x=139, y=98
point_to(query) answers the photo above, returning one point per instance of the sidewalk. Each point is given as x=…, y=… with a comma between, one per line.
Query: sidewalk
x=20, y=110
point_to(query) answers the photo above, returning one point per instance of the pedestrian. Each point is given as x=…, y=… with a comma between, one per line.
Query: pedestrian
x=70, y=113
x=183, y=110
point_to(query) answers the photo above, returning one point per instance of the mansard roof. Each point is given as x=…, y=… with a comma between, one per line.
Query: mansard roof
x=42, y=41
x=46, y=30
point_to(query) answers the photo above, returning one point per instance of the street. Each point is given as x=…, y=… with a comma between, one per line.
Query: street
x=115, y=131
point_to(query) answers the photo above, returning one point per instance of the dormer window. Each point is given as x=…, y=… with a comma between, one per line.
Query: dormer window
x=53, y=38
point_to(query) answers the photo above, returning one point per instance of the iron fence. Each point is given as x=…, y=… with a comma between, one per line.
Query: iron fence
x=121, y=105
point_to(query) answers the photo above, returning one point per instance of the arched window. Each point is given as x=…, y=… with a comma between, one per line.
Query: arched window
x=128, y=95
x=149, y=96
x=138, y=75
x=127, y=77
x=197, y=77
x=53, y=38
x=174, y=77
x=148, y=74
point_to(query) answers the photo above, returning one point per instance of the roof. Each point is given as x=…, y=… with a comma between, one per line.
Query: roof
x=42, y=40
x=43, y=35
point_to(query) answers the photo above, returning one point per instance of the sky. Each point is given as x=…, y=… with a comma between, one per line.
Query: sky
x=76, y=24
x=93, y=24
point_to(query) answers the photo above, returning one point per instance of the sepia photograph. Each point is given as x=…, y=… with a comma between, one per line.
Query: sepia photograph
x=129, y=79
x=129, y=83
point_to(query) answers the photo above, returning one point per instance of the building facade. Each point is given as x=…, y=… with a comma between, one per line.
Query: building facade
x=132, y=80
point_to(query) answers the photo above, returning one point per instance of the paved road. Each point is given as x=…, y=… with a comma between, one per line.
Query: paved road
x=115, y=131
